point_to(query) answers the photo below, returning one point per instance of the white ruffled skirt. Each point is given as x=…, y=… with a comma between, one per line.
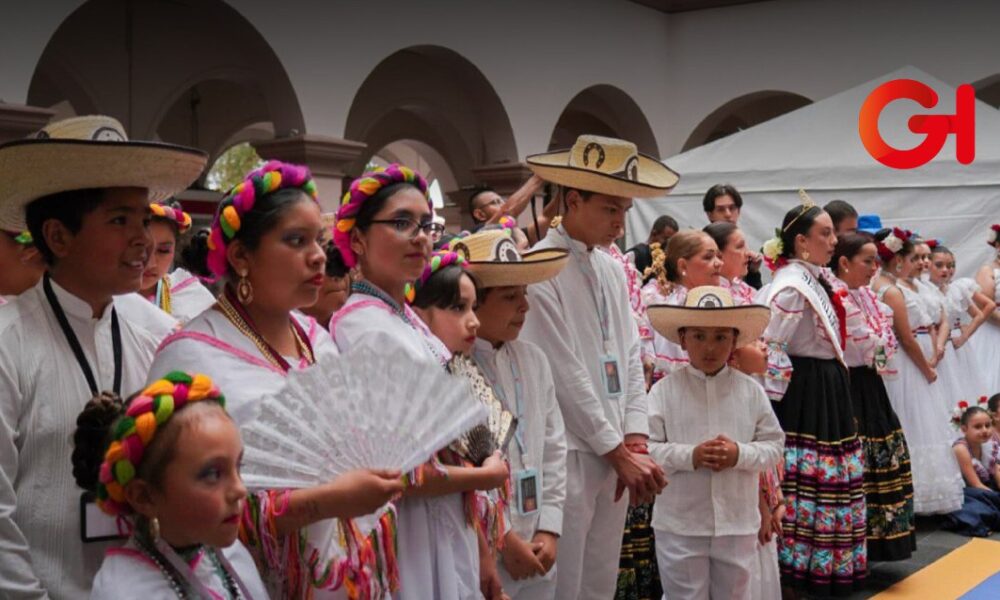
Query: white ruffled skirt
x=985, y=346
x=920, y=406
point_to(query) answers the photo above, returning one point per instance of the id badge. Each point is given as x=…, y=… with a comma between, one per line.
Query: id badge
x=526, y=490
x=95, y=524
x=610, y=376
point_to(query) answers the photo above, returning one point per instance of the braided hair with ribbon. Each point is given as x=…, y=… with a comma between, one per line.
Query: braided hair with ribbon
x=113, y=438
x=370, y=187
x=244, y=200
x=172, y=215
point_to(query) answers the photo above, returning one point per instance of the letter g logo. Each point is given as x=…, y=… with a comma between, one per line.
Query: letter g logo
x=936, y=128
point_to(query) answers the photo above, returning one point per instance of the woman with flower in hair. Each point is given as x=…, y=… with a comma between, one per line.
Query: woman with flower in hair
x=869, y=354
x=914, y=395
x=986, y=344
x=690, y=260
x=384, y=230
x=822, y=547
x=177, y=485
x=177, y=293
x=265, y=243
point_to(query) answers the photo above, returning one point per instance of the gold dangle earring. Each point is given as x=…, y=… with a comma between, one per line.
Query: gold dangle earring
x=154, y=529
x=244, y=291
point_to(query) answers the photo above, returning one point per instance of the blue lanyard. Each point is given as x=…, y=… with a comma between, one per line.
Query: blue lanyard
x=594, y=285
x=515, y=373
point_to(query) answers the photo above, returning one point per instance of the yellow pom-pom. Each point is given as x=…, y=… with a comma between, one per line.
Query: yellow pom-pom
x=115, y=453
x=201, y=385
x=116, y=491
x=273, y=180
x=145, y=426
x=369, y=185
x=159, y=387
x=232, y=217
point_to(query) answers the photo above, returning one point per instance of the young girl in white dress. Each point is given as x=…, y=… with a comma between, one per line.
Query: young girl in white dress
x=914, y=394
x=986, y=345
x=177, y=293
x=168, y=462
x=967, y=310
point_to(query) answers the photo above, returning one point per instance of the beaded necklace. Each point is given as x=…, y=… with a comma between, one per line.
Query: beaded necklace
x=181, y=583
x=363, y=287
x=163, y=295
x=237, y=315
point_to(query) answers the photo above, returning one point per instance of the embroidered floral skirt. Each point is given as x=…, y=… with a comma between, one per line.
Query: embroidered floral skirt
x=822, y=550
x=888, y=480
x=638, y=575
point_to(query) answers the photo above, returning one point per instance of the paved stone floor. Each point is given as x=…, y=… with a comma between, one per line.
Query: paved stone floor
x=932, y=544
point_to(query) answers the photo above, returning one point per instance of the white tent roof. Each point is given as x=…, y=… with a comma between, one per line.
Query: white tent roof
x=818, y=148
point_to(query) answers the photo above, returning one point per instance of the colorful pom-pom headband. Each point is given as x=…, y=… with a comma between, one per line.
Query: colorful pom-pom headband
x=438, y=261
x=362, y=190
x=24, y=238
x=240, y=200
x=132, y=433
x=173, y=215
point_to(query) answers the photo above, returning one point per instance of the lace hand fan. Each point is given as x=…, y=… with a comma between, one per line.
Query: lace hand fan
x=483, y=440
x=363, y=410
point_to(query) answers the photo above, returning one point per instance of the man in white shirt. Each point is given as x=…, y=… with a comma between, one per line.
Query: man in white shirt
x=83, y=191
x=582, y=321
x=713, y=430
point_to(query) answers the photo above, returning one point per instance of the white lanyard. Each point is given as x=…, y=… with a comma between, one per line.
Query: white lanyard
x=594, y=284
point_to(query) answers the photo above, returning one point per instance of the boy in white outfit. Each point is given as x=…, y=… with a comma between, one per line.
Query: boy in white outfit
x=520, y=375
x=713, y=431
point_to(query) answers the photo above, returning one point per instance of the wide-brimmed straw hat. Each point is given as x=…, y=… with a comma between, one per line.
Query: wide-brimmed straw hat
x=493, y=257
x=709, y=306
x=605, y=166
x=89, y=152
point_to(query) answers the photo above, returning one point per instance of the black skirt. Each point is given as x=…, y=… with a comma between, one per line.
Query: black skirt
x=822, y=550
x=891, y=533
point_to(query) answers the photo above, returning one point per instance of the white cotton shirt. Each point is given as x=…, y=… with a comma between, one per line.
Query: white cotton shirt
x=188, y=297
x=42, y=391
x=127, y=574
x=564, y=323
x=688, y=408
x=540, y=426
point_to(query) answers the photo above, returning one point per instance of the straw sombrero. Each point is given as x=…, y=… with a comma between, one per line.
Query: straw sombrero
x=605, y=166
x=493, y=257
x=89, y=152
x=709, y=306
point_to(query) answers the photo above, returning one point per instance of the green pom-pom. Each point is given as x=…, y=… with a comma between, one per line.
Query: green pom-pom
x=179, y=377
x=124, y=427
x=124, y=472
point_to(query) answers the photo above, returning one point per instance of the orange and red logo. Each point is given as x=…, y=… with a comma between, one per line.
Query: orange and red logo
x=936, y=128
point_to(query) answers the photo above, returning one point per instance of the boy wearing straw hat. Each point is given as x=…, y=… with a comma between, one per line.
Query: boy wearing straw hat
x=582, y=321
x=82, y=190
x=713, y=430
x=521, y=377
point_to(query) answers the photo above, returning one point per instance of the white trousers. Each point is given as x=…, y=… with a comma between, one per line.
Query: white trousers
x=593, y=524
x=765, y=581
x=704, y=567
x=536, y=588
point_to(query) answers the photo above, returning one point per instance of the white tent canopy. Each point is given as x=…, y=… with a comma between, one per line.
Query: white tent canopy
x=818, y=148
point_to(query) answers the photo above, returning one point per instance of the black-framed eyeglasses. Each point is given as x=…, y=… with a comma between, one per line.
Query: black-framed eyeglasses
x=408, y=228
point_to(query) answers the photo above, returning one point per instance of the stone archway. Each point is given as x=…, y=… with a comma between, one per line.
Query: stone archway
x=742, y=113
x=604, y=110
x=431, y=97
x=220, y=79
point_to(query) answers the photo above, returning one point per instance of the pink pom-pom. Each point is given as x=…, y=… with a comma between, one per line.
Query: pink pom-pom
x=217, y=257
x=180, y=395
x=104, y=475
x=133, y=448
x=140, y=405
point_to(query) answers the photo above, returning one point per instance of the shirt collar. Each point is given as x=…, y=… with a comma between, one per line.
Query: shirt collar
x=814, y=270
x=723, y=374
x=565, y=241
x=73, y=305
